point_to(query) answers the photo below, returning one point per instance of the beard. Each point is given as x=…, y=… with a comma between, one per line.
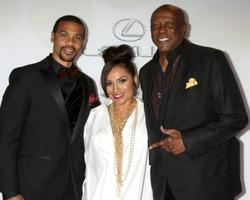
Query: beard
x=66, y=56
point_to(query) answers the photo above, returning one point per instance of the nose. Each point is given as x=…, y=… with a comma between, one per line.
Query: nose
x=115, y=88
x=70, y=41
x=164, y=28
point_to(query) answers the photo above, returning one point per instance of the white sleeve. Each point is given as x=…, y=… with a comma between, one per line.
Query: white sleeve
x=147, y=193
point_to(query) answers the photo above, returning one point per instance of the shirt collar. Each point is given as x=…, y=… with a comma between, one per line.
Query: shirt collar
x=173, y=54
x=56, y=66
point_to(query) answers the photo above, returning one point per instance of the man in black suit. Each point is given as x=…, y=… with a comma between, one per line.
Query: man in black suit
x=42, y=118
x=193, y=110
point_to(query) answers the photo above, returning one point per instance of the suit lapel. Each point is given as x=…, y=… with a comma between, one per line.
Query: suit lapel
x=55, y=90
x=84, y=110
x=178, y=88
x=150, y=83
x=88, y=89
x=175, y=93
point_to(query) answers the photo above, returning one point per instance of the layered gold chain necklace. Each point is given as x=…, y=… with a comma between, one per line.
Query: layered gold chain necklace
x=117, y=125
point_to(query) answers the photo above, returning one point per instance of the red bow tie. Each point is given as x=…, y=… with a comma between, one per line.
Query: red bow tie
x=68, y=73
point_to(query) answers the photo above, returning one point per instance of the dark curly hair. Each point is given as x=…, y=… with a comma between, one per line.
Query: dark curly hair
x=117, y=55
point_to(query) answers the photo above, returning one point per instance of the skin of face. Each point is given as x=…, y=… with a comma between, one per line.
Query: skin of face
x=120, y=87
x=168, y=30
x=67, y=42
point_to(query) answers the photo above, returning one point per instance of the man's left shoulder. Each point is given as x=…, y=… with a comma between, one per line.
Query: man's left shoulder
x=203, y=50
x=86, y=78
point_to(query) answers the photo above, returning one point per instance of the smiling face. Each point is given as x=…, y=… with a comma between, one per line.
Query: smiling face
x=68, y=41
x=120, y=86
x=168, y=29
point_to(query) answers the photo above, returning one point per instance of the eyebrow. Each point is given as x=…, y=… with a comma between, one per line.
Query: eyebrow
x=66, y=31
x=123, y=76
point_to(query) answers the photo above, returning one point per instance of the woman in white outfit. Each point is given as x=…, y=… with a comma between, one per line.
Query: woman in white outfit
x=115, y=137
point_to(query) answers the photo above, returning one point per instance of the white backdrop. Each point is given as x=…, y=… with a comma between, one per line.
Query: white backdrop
x=25, y=27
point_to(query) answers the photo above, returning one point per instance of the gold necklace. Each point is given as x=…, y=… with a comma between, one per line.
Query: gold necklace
x=117, y=125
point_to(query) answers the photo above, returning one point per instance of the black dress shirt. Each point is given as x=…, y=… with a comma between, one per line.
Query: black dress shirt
x=66, y=82
x=163, y=80
x=71, y=89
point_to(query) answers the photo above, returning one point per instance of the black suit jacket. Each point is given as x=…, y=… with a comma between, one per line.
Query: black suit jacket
x=209, y=115
x=38, y=155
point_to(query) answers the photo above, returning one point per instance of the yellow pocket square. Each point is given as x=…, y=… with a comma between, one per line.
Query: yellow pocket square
x=191, y=82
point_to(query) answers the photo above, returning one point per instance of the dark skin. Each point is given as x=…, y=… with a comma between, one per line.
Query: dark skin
x=173, y=143
x=168, y=29
x=68, y=41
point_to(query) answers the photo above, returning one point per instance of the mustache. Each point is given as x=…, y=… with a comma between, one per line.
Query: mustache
x=69, y=46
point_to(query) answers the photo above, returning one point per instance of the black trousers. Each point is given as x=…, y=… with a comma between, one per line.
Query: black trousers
x=161, y=188
x=70, y=193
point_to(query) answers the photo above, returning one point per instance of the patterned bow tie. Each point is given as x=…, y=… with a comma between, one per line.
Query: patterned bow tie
x=68, y=72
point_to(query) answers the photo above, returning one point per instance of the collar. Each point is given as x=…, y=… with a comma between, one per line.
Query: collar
x=56, y=66
x=173, y=54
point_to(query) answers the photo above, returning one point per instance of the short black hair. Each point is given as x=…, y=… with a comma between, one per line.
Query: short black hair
x=174, y=9
x=68, y=18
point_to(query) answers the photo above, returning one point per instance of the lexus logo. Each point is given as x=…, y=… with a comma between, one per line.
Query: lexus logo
x=128, y=30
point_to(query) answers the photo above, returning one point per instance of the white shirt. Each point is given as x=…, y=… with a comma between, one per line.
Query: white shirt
x=100, y=180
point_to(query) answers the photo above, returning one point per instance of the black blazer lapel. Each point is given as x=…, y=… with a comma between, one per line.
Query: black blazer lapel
x=150, y=80
x=83, y=113
x=55, y=90
x=184, y=69
x=88, y=90
x=176, y=92
x=152, y=123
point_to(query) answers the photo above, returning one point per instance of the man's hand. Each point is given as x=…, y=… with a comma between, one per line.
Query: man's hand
x=18, y=197
x=173, y=143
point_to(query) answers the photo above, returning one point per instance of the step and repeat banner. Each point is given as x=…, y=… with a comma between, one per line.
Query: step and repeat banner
x=25, y=28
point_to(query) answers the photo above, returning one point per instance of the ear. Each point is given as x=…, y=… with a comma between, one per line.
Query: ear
x=136, y=81
x=184, y=30
x=52, y=36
